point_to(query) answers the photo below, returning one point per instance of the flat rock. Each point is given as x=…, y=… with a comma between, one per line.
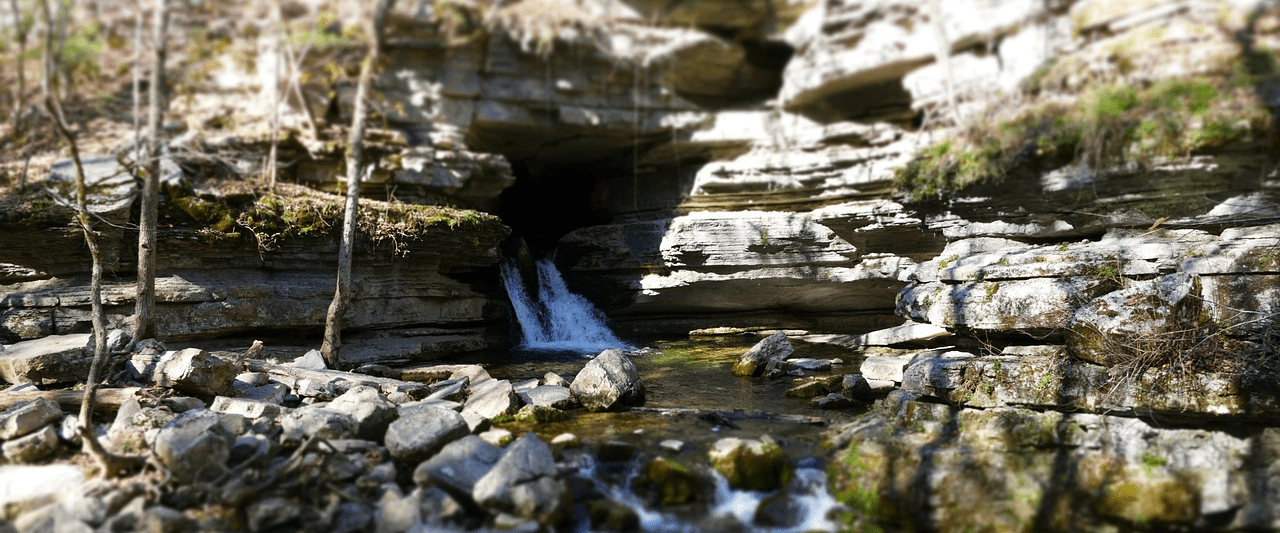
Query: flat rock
x=492, y=398
x=547, y=396
x=423, y=430
x=312, y=421
x=904, y=334
x=26, y=487
x=33, y=447
x=24, y=418
x=50, y=360
x=251, y=409
x=886, y=368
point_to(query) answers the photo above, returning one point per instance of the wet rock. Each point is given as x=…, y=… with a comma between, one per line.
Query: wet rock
x=26, y=417
x=370, y=410
x=857, y=386
x=309, y=421
x=523, y=482
x=49, y=360
x=808, y=389
x=492, y=398
x=669, y=482
x=809, y=364
x=458, y=466
x=751, y=464
x=352, y=517
x=194, y=446
x=834, y=401
x=421, y=431
x=765, y=355
x=540, y=414
x=192, y=370
x=609, y=380
x=672, y=445
x=613, y=517
x=779, y=510
x=32, y=447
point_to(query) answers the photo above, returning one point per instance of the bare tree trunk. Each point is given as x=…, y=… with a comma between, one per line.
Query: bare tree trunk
x=21, y=28
x=944, y=59
x=355, y=151
x=110, y=464
x=137, y=86
x=277, y=20
x=144, y=315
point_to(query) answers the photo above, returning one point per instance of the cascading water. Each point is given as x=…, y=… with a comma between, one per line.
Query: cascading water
x=553, y=317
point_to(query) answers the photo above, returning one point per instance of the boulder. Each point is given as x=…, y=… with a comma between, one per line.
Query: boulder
x=24, y=488
x=523, y=483
x=608, y=381
x=423, y=430
x=765, y=355
x=192, y=370
x=751, y=464
x=371, y=411
x=905, y=334
x=194, y=446
x=32, y=447
x=492, y=398
x=670, y=482
x=856, y=386
x=50, y=360
x=459, y=465
x=312, y=421
x=24, y=418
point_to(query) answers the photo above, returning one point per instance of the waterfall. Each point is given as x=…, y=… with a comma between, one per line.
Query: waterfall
x=554, y=318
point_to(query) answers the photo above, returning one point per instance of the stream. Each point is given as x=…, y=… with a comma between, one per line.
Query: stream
x=681, y=376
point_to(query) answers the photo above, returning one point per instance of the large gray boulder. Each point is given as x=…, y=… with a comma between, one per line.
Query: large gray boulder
x=312, y=421
x=423, y=430
x=194, y=446
x=192, y=370
x=492, y=398
x=523, y=482
x=608, y=381
x=459, y=465
x=765, y=355
x=371, y=411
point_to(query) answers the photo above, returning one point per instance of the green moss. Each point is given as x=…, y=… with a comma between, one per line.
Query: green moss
x=1108, y=125
x=673, y=483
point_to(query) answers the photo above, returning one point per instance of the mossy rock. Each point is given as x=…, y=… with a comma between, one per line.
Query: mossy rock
x=752, y=464
x=540, y=414
x=608, y=515
x=671, y=482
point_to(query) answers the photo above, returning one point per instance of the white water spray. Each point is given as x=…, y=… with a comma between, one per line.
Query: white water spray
x=553, y=317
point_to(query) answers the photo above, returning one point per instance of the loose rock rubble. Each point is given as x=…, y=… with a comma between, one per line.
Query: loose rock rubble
x=264, y=446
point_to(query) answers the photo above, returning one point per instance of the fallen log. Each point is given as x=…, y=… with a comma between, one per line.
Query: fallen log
x=733, y=415
x=106, y=400
x=329, y=384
